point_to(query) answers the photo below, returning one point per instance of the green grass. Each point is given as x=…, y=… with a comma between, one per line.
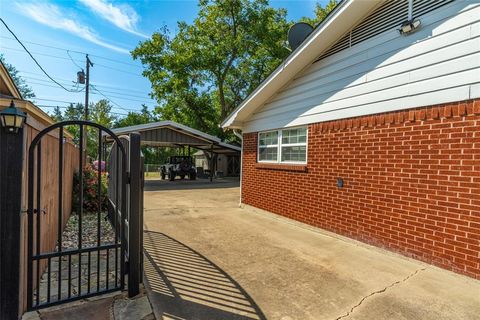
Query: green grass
x=152, y=175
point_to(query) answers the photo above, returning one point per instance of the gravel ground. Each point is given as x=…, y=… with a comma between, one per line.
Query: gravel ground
x=89, y=231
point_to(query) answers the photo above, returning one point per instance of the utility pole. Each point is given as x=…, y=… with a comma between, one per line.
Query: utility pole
x=87, y=87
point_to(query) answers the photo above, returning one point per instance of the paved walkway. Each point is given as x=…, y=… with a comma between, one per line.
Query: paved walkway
x=209, y=259
x=113, y=306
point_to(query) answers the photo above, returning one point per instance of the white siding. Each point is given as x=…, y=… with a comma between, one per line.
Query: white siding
x=439, y=63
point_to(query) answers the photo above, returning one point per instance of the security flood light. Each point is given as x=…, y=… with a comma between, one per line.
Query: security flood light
x=409, y=26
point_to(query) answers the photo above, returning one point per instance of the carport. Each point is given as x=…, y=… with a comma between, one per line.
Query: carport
x=176, y=135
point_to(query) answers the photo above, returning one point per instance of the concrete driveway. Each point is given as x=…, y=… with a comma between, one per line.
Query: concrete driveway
x=208, y=259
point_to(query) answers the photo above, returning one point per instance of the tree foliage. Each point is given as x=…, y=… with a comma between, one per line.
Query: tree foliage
x=320, y=13
x=202, y=73
x=210, y=66
x=136, y=118
x=100, y=112
x=25, y=90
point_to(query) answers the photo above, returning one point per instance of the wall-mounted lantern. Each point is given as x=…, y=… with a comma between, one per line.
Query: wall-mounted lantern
x=12, y=119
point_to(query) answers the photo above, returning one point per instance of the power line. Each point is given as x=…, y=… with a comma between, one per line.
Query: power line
x=53, y=100
x=42, y=81
x=64, y=58
x=50, y=86
x=113, y=96
x=95, y=88
x=119, y=70
x=67, y=80
x=64, y=107
x=149, y=103
x=40, y=74
x=120, y=97
x=73, y=61
x=35, y=52
x=58, y=83
x=118, y=61
x=72, y=102
x=128, y=99
x=79, y=52
x=33, y=58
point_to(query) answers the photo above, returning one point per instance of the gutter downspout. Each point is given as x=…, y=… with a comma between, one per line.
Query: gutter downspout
x=240, y=136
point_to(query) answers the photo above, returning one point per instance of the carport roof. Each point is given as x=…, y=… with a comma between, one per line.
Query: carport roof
x=172, y=134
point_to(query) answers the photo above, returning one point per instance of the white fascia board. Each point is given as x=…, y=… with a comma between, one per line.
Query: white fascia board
x=345, y=16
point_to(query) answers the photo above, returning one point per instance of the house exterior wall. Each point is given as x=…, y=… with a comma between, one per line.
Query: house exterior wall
x=412, y=182
x=439, y=63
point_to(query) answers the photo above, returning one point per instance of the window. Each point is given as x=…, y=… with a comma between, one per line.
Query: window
x=268, y=146
x=283, y=146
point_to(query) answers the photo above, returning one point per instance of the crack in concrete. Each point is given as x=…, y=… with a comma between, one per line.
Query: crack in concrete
x=379, y=291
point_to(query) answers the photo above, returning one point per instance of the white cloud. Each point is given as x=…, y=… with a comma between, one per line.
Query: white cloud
x=123, y=16
x=51, y=15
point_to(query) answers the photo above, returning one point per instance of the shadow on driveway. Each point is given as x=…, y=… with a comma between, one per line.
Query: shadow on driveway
x=185, y=285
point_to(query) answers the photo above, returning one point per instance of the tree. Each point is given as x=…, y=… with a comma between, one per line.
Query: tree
x=101, y=113
x=74, y=112
x=320, y=13
x=56, y=115
x=25, y=90
x=136, y=118
x=201, y=74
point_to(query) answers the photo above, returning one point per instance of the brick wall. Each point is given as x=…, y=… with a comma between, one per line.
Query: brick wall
x=411, y=182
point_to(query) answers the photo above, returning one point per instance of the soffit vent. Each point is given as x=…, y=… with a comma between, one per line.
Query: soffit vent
x=421, y=7
x=389, y=15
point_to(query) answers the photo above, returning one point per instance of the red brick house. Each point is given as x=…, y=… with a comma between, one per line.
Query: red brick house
x=373, y=133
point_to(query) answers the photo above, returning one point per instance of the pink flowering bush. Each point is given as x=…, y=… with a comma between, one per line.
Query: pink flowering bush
x=102, y=165
x=91, y=200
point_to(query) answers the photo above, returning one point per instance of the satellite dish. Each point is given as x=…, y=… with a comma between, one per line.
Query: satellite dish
x=297, y=33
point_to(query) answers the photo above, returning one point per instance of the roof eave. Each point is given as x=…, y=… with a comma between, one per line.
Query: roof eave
x=12, y=87
x=346, y=15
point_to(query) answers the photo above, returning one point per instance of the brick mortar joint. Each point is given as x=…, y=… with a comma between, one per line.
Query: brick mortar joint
x=436, y=112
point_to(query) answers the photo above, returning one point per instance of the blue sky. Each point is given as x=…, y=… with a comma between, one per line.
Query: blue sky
x=105, y=29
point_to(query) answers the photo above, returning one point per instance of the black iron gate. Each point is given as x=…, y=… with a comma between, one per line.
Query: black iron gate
x=93, y=248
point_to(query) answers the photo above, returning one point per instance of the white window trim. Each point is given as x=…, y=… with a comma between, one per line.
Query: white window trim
x=279, y=146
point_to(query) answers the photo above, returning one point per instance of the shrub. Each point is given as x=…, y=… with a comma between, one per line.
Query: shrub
x=91, y=201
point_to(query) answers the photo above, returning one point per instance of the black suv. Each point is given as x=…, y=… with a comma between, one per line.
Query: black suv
x=178, y=166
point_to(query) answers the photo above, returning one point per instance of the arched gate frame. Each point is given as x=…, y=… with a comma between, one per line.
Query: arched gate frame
x=66, y=273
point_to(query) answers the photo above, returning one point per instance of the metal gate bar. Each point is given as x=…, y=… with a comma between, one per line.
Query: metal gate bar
x=123, y=219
